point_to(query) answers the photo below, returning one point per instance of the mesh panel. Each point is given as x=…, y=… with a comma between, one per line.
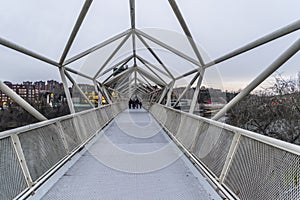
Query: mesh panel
x=89, y=122
x=12, y=180
x=100, y=117
x=70, y=134
x=104, y=115
x=260, y=171
x=109, y=112
x=176, y=122
x=115, y=109
x=188, y=129
x=156, y=111
x=213, y=146
x=162, y=115
x=173, y=121
x=43, y=148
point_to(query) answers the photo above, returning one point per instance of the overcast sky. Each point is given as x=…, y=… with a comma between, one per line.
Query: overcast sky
x=217, y=26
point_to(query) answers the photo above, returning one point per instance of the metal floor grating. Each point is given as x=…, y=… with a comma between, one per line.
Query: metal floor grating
x=133, y=159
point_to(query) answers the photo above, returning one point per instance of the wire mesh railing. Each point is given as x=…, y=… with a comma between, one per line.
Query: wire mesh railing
x=28, y=154
x=244, y=164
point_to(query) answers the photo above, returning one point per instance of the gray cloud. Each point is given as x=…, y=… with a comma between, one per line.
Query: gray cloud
x=218, y=26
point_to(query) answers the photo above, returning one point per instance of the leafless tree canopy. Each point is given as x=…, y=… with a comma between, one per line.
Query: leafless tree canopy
x=274, y=112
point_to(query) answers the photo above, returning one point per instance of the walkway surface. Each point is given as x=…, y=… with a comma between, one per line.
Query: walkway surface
x=133, y=158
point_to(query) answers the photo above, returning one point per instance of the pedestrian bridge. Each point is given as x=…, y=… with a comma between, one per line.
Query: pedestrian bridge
x=155, y=152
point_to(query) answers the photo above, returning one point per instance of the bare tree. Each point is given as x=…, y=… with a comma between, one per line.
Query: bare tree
x=274, y=112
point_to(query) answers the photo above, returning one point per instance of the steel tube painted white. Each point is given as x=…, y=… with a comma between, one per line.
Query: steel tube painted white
x=295, y=149
x=256, y=43
x=21, y=102
x=164, y=45
x=22, y=50
x=67, y=91
x=196, y=92
x=75, y=30
x=155, y=56
x=292, y=50
x=79, y=89
x=112, y=55
x=186, y=89
x=103, y=44
x=186, y=30
x=145, y=62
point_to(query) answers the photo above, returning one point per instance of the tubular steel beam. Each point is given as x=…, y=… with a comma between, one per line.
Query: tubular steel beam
x=141, y=82
x=27, y=52
x=169, y=95
x=256, y=43
x=123, y=62
x=79, y=89
x=132, y=13
x=155, y=56
x=186, y=89
x=196, y=92
x=143, y=71
x=75, y=30
x=151, y=77
x=123, y=82
x=147, y=81
x=171, y=49
x=154, y=73
x=66, y=89
x=21, y=158
x=119, y=76
x=78, y=73
x=132, y=19
x=145, y=62
x=163, y=94
x=98, y=93
x=20, y=101
x=103, y=44
x=285, y=56
x=112, y=55
x=135, y=76
x=106, y=94
x=186, y=30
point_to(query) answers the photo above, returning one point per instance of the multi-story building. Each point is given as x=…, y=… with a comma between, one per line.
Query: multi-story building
x=89, y=91
x=26, y=90
x=34, y=92
x=40, y=85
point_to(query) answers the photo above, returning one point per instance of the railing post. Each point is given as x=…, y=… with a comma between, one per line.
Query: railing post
x=19, y=151
x=62, y=135
x=231, y=152
x=193, y=146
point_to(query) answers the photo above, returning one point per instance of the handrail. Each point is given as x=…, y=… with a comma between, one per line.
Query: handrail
x=29, y=127
x=36, y=151
x=292, y=148
x=232, y=157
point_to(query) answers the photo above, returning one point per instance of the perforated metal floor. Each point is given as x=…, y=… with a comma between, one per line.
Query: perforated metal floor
x=132, y=159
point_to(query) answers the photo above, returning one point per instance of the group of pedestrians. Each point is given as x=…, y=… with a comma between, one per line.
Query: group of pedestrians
x=134, y=104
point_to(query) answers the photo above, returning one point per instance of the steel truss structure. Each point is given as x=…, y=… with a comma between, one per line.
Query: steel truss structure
x=140, y=82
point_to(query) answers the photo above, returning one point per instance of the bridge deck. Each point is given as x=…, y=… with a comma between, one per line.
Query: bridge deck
x=133, y=158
